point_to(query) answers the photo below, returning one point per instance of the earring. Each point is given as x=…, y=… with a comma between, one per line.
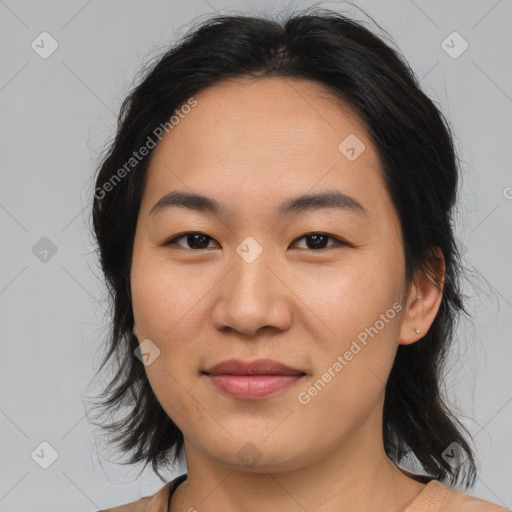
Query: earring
x=417, y=331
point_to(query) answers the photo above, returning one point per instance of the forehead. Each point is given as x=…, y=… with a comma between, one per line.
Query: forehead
x=253, y=138
x=245, y=113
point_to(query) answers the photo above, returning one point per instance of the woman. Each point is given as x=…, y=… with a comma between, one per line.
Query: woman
x=274, y=224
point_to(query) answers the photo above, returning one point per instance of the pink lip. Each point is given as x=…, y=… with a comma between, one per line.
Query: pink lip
x=257, y=367
x=252, y=387
x=252, y=380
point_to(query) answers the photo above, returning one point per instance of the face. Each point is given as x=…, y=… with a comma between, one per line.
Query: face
x=317, y=287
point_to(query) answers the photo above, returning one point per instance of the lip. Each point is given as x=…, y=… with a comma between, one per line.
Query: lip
x=257, y=367
x=252, y=387
x=252, y=380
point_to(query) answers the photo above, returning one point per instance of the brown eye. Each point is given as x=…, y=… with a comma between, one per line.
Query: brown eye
x=318, y=241
x=195, y=241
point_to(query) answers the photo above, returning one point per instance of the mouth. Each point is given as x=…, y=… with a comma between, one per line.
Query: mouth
x=258, y=367
x=252, y=380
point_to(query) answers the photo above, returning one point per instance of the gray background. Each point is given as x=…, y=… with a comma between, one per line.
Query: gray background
x=58, y=112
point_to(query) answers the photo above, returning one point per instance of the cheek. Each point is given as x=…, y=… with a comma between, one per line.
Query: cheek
x=163, y=305
x=359, y=314
x=161, y=296
x=349, y=298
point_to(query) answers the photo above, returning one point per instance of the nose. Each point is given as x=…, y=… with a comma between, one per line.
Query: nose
x=252, y=297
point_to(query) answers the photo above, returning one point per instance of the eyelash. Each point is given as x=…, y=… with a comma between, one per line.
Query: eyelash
x=340, y=242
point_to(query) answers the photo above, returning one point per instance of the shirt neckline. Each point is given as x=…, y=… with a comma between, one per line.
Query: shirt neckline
x=173, y=485
x=428, y=491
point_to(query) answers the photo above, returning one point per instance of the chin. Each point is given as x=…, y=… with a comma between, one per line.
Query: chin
x=258, y=454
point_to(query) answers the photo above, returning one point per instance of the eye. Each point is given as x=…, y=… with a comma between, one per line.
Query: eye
x=198, y=241
x=318, y=241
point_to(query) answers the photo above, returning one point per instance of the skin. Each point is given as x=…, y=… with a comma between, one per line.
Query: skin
x=251, y=144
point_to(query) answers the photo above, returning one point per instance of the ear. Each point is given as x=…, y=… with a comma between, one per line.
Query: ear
x=423, y=301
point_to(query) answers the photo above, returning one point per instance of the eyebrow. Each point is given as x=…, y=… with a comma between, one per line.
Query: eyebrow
x=296, y=205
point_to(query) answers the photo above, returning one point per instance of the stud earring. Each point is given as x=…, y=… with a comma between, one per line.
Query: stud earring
x=417, y=331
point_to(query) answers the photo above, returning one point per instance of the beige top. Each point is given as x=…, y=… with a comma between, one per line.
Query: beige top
x=434, y=497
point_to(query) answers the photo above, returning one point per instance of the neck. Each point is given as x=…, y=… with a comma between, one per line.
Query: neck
x=354, y=475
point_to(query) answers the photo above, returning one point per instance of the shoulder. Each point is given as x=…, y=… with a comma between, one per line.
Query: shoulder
x=155, y=503
x=457, y=500
x=435, y=497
